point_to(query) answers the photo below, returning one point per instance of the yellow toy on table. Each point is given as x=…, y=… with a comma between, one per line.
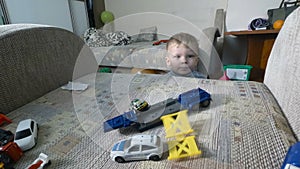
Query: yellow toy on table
x=177, y=127
x=2, y=165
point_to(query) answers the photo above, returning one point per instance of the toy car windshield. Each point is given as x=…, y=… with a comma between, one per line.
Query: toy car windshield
x=23, y=134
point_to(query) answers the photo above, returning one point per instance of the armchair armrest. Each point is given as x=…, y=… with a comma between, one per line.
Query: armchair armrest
x=208, y=54
x=212, y=33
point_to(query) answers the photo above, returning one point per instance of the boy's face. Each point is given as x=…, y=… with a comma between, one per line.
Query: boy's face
x=181, y=59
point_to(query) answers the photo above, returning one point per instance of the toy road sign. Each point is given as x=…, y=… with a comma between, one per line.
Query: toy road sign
x=177, y=126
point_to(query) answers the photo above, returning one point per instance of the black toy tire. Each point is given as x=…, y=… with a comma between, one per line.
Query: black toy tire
x=5, y=158
x=154, y=158
x=119, y=159
x=205, y=103
x=35, y=142
x=49, y=163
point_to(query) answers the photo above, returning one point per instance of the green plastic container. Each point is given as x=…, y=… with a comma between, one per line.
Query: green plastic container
x=105, y=70
x=238, y=72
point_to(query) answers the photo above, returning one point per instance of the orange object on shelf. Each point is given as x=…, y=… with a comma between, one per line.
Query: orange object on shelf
x=278, y=24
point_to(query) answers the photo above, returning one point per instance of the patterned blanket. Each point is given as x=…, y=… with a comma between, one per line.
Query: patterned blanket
x=242, y=128
x=138, y=55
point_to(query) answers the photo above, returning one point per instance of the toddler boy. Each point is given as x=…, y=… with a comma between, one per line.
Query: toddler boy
x=183, y=56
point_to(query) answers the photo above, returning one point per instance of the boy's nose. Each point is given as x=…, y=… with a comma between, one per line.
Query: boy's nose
x=183, y=59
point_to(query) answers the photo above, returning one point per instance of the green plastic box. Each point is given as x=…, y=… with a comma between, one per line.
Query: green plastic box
x=238, y=72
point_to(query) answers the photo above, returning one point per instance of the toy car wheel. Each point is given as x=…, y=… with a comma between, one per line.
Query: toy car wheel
x=49, y=163
x=5, y=158
x=154, y=158
x=205, y=103
x=119, y=159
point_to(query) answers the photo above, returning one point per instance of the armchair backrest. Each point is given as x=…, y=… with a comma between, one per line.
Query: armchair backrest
x=35, y=59
x=283, y=70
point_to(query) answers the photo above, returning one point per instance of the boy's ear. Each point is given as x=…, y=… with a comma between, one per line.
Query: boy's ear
x=167, y=61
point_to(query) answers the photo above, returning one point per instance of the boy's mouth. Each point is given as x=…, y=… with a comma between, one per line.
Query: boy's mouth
x=184, y=70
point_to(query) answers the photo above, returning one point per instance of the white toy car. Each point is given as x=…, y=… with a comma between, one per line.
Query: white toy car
x=26, y=134
x=138, y=147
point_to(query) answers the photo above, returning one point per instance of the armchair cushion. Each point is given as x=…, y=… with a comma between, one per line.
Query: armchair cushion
x=283, y=71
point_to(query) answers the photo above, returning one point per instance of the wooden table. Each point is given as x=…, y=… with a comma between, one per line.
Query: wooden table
x=260, y=43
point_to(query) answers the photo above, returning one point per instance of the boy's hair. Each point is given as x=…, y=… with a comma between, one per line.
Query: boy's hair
x=186, y=39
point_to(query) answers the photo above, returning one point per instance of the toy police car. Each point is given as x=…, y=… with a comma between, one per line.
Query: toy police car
x=138, y=147
x=138, y=104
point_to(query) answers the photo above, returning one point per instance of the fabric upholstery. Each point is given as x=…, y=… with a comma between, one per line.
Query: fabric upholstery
x=283, y=70
x=243, y=128
x=35, y=59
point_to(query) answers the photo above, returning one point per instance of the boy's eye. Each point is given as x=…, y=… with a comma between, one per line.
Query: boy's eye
x=187, y=56
x=190, y=56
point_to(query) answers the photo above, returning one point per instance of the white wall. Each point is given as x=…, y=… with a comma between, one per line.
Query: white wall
x=199, y=12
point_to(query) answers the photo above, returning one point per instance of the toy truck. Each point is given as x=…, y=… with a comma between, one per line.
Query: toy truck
x=124, y=120
x=149, y=118
x=194, y=97
x=10, y=153
x=292, y=159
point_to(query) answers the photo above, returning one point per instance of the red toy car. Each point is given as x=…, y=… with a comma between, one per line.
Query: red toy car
x=10, y=153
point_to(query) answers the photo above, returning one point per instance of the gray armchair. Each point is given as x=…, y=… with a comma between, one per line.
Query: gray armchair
x=36, y=59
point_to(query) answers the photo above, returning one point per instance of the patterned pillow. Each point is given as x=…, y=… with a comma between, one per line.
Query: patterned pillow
x=118, y=38
x=147, y=34
x=97, y=38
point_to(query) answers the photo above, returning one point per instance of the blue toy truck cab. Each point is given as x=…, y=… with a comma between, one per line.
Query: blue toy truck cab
x=193, y=97
x=124, y=120
x=292, y=159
